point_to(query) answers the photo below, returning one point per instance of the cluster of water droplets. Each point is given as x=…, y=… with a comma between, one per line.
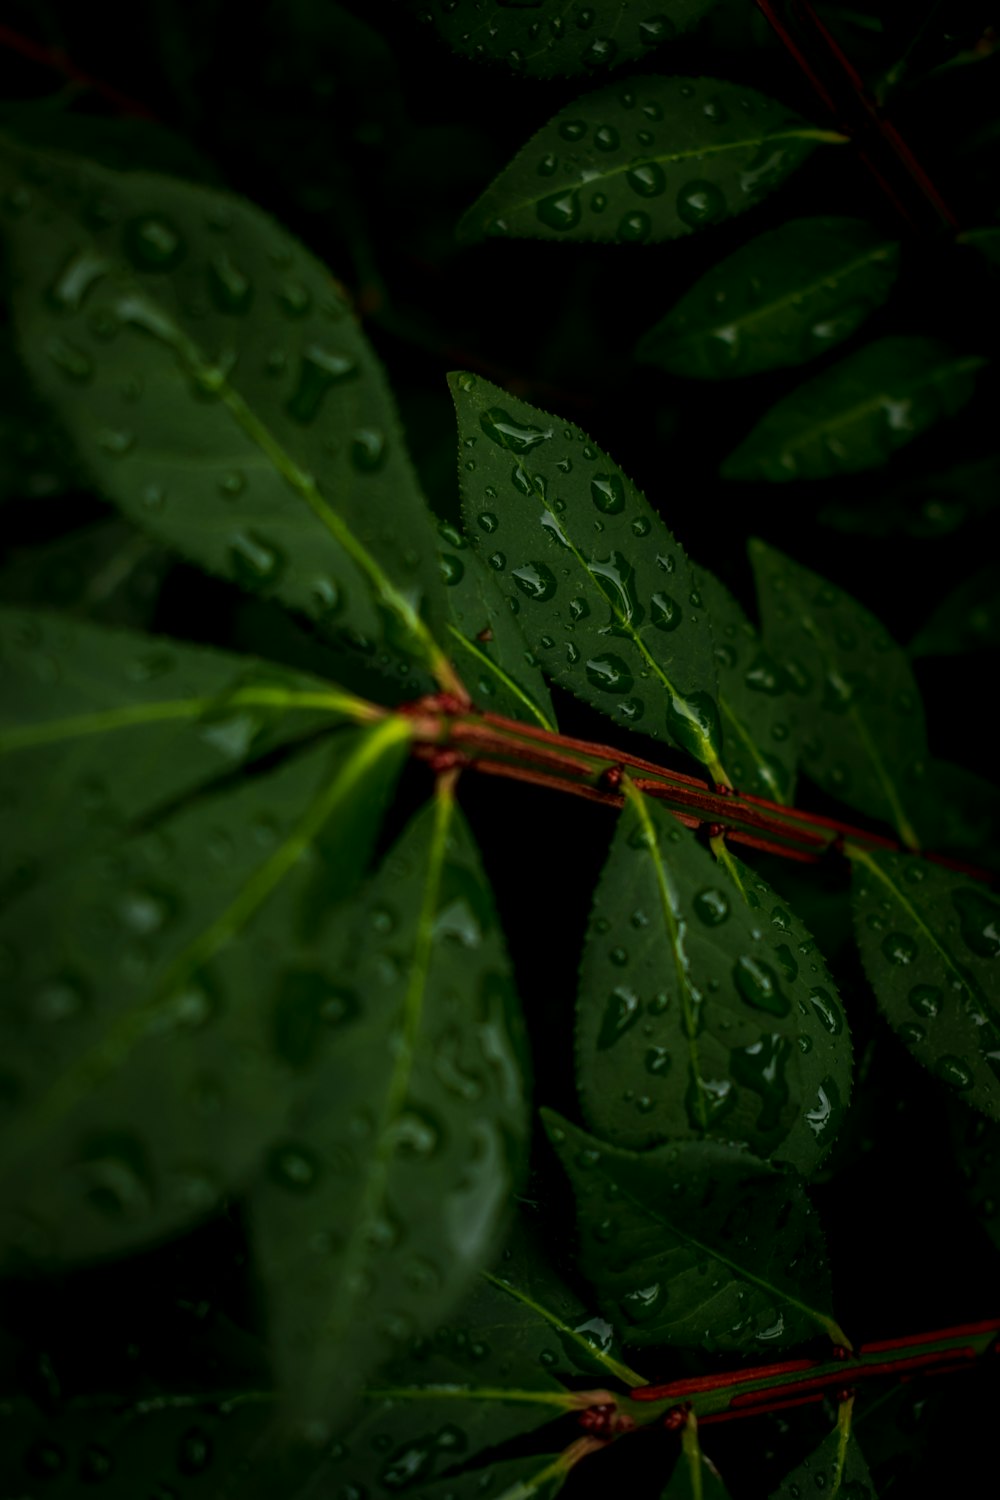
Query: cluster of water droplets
x=541, y=37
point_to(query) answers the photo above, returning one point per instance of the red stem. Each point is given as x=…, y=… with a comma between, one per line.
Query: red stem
x=50, y=57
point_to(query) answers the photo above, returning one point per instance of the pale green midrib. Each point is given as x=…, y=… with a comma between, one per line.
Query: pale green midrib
x=523, y=1488
x=502, y=676
x=128, y=716
x=862, y=856
x=212, y=378
x=673, y=936
x=823, y=1319
x=668, y=158
x=844, y=1414
x=847, y=416
x=831, y=662
x=397, y=1085
x=562, y=1399
x=763, y=769
x=126, y=1032
x=730, y=865
x=612, y=1365
x=754, y=314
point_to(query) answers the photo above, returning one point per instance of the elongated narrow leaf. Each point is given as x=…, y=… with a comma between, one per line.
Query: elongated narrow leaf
x=859, y=709
x=602, y=591
x=965, y=620
x=704, y=1006
x=541, y=39
x=785, y=298
x=927, y=505
x=394, y=1183
x=488, y=645
x=697, y=1243
x=166, y=1003
x=836, y=1468
x=220, y=392
x=649, y=158
x=858, y=413
x=695, y=1477
x=930, y=942
x=100, y=728
x=756, y=704
x=109, y=573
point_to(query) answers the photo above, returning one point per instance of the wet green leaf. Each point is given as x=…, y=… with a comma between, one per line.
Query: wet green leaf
x=489, y=648
x=542, y=39
x=163, y=320
x=859, y=708
x=602, y=591
x=967, y=619
x=836, y=1468
x=167, y=1000
x=930, y=942
x=37, y=460
x=695, y=1477
x=704, y=1006
x=857, y=413
x=785, y=298
x=756, y=704
x=393, y=1185
x=649, y=158
x=697, y=1243
x=101, y=729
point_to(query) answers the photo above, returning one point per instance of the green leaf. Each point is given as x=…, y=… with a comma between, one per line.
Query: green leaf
x=695, y=1477
x=857, y=413
x=537, y=39
x=602, y=591
x=166, y=1002
x=221, y=393
x=392, y=1187
x=859, y=708
x=704, y=1007
x=697, y=1243
x=967, y=619
x=649, y=158
x=492, y=654
x=785, y=298
x=958, y=813
x=927, y=505
x=100, y=729
x=976, y=1144
x=836, y=1467
x=36, y=457
x=930, y=942
x=986, y=241
x=756, y=704
x=107, y=572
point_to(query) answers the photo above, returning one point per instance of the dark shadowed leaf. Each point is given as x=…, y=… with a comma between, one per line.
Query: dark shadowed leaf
x=163, y=320
x=546, y=39
x=859, y=710
x=697, y=1243
x=393, y=1185
x=167, y=1000
x=756, y=703
x=785, y=298
x=930, y=942
x=958, y=813
x=986, y=242
x=36, y=457
x=927, y=505
x=976, y=1144
x=836, y=1468
x=490, y=651
x=108, y=572
x=695, y=1477
x=704, y=1006
x=100, y=729
x=649, y=158
x=967, y=619
x=602, y=591
x=857, y=413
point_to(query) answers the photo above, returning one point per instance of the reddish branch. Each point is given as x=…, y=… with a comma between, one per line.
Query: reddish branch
x=57, y=60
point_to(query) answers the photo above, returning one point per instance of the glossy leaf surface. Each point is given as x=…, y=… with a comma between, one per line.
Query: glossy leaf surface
x=697, y=1243
x=859, y=709
x=541, y=39
x=785, y=298
x=161, y=319
x=704, y=1006
x=100, y=728
x=967, y=619
x=856, y=414
x=930, y=942
x=163, y=1001
x=393, y=1184
x=602, y=591
x=489, y=648
x=836, y=1468
x=756, y=704
x=649, y=158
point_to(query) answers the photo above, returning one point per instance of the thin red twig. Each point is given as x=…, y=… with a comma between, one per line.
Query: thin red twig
x=55, y=59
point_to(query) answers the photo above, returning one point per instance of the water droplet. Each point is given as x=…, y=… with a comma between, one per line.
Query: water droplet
x=293, y=1167
x=665, y=612
x=368, y=450
x=194, y=1451
x=608, y=493
x=416, y=1135
x=452, y=568
x=319, y=369
x=955, y=1072
x=153, y=244
x=711, y=907
x=694, y=723
x=758, y=984
x=69, y=360
x=898, y=948
x=609, y=673
x=657, y=1061
x=294, y=298
x=60, y=999
x=824, y=1116
x=145, y=911
x=548, y=165
x=573, y=130
x=256, y=563
x=635, y=227
x=979, y=921
x=77, y=277
x=535, y=580
x=488, y=520
x=621, y=1011
x=606, y=138
x=116, y=441
x=96, y=1464
x=828, y=1012
x=647, y=179
x=561, y=210
x=599, y=52
x=643, y=1304
x=700, y=203
x=229, y=288
x=503, y=430
x=761, y=1067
